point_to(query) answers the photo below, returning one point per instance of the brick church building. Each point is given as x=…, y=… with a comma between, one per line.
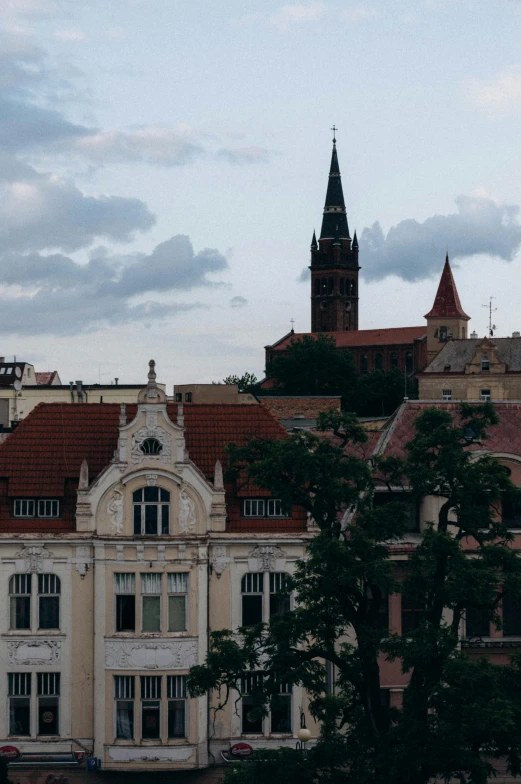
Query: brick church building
x=335, y=299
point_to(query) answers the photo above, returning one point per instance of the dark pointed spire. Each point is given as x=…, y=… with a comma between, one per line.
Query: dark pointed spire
x=336, y=240
x=314, y=245
x=355, y=241
x=447, y=302
x=334, y=208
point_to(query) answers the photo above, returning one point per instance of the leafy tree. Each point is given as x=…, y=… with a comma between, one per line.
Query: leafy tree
x=4, y=778
x=380, y=392
x=248, y=382
x=314, y=366
x=459, y=715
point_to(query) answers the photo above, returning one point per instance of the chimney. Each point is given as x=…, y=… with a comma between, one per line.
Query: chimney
x=2, y=360
x=516, y=334
x=474, y=335
x=79, y=391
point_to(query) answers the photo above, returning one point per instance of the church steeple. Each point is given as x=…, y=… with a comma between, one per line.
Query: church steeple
x=446, y=320
x=334, y=262
x=334, y=208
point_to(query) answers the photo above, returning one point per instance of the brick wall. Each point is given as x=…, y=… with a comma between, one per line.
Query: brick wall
x=306, y=407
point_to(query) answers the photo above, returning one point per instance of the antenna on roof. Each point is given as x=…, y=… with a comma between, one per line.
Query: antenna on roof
x=491, y=310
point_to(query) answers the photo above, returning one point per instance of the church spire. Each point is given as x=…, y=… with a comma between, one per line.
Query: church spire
x=447, y=302
x=334, y=208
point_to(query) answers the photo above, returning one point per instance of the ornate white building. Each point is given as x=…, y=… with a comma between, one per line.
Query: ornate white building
x=121, y=548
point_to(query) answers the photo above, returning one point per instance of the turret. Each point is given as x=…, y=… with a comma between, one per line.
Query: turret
x=446, y=320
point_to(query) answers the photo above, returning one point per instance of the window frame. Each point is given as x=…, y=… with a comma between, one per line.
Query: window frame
x=181, y=577
x=446, y=395
x=19, y=688
x=52, y=581
x=160, y=505
x=248, y=582
x=129, y=684
x=48, y=688
x=175, y=684
x=26, y=596
x=484, y=395
x=149, y=701
x=124, y=593
x=151, y=594
x=19, y=502
x=54, y=507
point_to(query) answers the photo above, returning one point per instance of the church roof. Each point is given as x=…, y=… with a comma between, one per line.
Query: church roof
x=362, y=337
x=334, y=222
x=447, y=303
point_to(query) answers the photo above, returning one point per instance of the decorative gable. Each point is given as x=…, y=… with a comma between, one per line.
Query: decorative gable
x=485, y=361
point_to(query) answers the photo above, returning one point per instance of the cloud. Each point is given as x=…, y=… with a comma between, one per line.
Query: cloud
x=244, y=155
x=502, y=94
x=238, y=302
x=52, y=294
x=413, y=250
x=305, y=276
x=154, y=144
x=360, y=14
x=69, y=35
x=297, y=14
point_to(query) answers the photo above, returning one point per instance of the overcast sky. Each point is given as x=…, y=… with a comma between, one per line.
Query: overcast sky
x=163, y=164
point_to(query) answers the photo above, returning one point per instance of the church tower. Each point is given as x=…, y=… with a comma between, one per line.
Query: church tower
x=334, y=263
x=446, y=319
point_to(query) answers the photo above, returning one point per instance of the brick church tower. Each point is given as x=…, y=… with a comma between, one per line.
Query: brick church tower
x=334, y=263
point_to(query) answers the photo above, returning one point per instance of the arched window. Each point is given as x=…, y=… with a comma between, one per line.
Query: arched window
x=341, y=285
x=151, y=446
x=151, y=511
x=394, y=360
x=408, y=362
x=330, y=286
x=317, y=287
x=324, y=286
x=353, y=288
x=485, y=363
x=48, y=601
x=363, y=364
x=20, y=601
x=378, y=362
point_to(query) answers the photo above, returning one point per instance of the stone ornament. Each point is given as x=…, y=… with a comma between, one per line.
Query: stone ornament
x=187, y=517
x=115, y=511
x=267, y=559
x=161, y=655
x=26, y=652
x=34, y=559
x=219, y=560
x=137, y=456
x=151, y=480
x=82, y=560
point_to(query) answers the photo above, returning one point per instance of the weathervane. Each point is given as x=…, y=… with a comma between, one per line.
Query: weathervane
x=491, y=310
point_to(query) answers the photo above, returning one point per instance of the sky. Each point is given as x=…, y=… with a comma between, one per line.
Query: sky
x=163, y=165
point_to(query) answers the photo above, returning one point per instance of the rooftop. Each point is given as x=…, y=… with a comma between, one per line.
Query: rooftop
x=362, y=337
x=455, y=354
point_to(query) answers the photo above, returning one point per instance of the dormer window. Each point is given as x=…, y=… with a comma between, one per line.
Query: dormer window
x=151, y=446
x=485, y=363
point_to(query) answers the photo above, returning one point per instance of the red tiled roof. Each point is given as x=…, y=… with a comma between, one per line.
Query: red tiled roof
x=447, y=303
x=362, y=337
x=45, y=378
x=503, y=437
x=45, y=452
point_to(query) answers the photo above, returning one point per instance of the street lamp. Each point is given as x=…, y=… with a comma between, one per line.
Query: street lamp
x=303, y=734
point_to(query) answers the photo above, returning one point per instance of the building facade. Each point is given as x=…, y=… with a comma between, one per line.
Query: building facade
x=122, y=548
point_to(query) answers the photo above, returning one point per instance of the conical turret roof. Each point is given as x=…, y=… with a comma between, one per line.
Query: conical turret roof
x=447, y=303
x=334, y=208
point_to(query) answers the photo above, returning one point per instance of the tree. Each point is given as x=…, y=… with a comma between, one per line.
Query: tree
x=4, y=778
x=380, y=392
x=248, y=382
x=459, y=715
x=314, y=366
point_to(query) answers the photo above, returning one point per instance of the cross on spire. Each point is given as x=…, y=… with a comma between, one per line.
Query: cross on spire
x=292, y=325
x=334, y=129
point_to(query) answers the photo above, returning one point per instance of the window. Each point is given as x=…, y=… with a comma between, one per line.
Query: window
x=150, y=707
x=485, y=394
x=251, y=715
x=281, y=709
x=394, y=360
x=48, y=703
x=275, y=508
x=151, y=511
x=279, y=598
x=511, y=616
x=477, y=622
x=176, y=694
x=47, y=508
x=48, y=601
x=252, y=587
x=24, y=507
x=188, y=397
x=151, y=602
x=353, y=288
x=19, y=689
x=151, y=446
x=412, y=520
x=323, y=286
x=20, y=601
x=443, y=334
x=511, y=512
x=178, y=397
x=124, y=692
x=408, y=362
x=485, y=363
x=446, y=394
x=125, y=587
x=378, y=363
x=254, y=507
x=177, y=590
x=363, y=364
x=412, y=614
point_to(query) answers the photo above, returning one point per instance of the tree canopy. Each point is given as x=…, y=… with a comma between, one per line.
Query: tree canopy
x=459, y=714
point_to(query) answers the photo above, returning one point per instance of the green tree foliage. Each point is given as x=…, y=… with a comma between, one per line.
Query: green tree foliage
x=4, y=778
x=459, y=714
x=380, y=392
x=248, y=382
